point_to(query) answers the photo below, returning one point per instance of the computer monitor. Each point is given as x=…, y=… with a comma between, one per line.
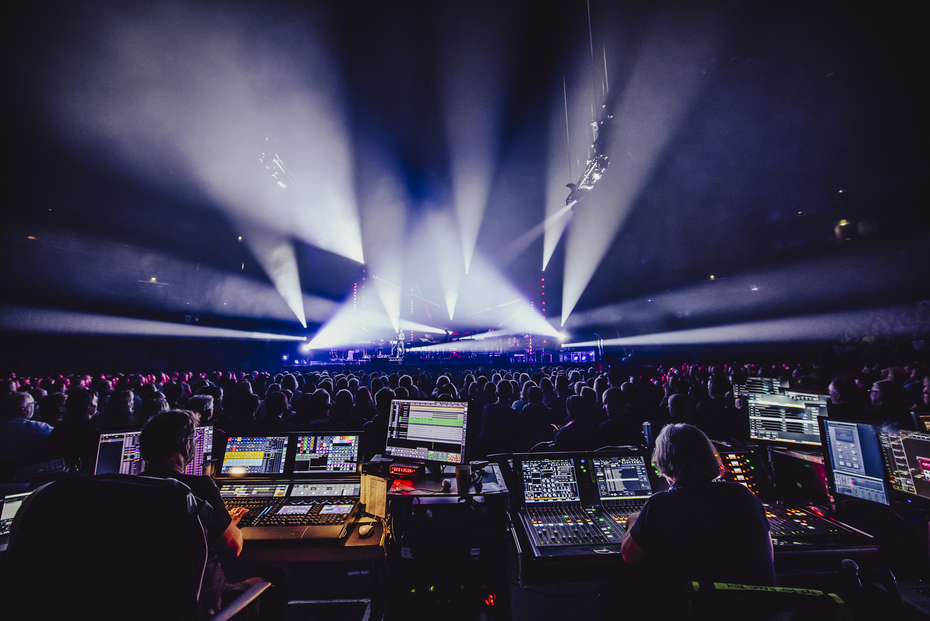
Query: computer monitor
x=11, y=505
x=761, y=386
x=118, y=453
x=427, y=430
x=921, y=421
x=326, y=453
x=853, y=460
x=907, y=460
x=549, y=480
x=787, y=418
x=254, y=455
x=202, y=451
x=622, y=478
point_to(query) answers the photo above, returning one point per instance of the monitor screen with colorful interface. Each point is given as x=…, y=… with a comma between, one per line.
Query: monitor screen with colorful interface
x=427, y=430
x=254, y=455
x=907, y=460
x=118, y=453
x=326, y=453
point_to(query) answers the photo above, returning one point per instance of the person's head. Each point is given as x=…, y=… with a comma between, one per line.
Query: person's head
x=884, y=394
x=614, y=401
x=320, y=402
x=81, y=404
x=534, y=394
x=203, y=405
x=680, y=409
x=504, y=392
x=383, y=400
x=843, y=390
x=121, y=404
x=276, y=404
x=18, y=405
x=683, y=454
x=52, y=407
x=166, y=435
x=576, y=407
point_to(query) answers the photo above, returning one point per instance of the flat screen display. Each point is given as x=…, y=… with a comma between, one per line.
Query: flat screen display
x=788, y=418
x=907, y=460
x=251, y=455
x=118, y=453
x=854, y=460
x=549, y=480
x=622, y=477
x=427, y=430
x=326, y=453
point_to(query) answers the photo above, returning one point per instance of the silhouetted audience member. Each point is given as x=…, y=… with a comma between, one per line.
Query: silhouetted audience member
x=341, y=411
x=117, y=414
x=679, y=409
x=578, y=434
x=364, y=408
x=52, y=408
x=886, y=400
x=75, y=438
x=498, y=421
x=22, y=440
x=621, y=428
x=376, y=429
x=273, y=422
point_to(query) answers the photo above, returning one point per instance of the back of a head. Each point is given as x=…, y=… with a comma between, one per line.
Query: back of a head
x=276, y=404
x=505, y=390
x=684, y=454
x=383, y=400
x=165, y=434
x=79, y=402
x=614, y=399
x=576, y=407
x=200, y=404
x=679, y=408
x=14, y=403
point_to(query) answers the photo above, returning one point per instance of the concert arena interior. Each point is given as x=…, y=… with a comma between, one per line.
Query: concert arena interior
x=436, y=280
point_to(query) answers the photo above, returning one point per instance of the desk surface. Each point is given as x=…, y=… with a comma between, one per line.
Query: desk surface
x=351, y=548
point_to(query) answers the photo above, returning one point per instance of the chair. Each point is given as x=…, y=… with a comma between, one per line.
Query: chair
x=110, y=547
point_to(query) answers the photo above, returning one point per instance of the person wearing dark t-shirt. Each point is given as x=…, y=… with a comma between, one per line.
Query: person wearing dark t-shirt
x=166, y=445
x=700, y=529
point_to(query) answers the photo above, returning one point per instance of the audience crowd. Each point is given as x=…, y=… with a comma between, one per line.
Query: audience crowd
x=513, y=410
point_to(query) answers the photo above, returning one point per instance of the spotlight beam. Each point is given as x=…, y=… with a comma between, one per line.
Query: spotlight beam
x=823, y=327
x=23, y=319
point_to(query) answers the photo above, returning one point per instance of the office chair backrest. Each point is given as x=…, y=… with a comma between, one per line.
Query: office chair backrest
x=110, y=547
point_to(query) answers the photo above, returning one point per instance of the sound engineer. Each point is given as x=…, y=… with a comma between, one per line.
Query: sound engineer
x=700, y=529
x=166, y=445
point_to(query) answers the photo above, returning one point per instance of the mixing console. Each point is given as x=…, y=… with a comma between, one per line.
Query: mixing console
x=558, y=524
x=306, y=513
x=258, y=508
x=789, y=522
x=619, y=511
